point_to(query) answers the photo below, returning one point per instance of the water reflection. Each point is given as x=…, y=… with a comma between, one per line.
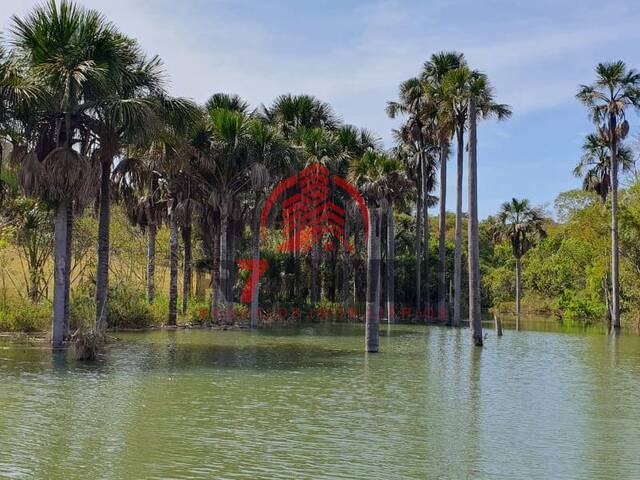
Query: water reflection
x=308, y=403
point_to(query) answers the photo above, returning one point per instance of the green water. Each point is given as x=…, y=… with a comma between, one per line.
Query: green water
x=307, y=403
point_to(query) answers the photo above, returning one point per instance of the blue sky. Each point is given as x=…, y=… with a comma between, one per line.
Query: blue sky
x=354, y=54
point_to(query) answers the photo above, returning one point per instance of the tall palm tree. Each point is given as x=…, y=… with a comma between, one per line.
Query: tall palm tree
x=130, y=113
x=522, y=225
x=416, y=137
x=224, y=166
x=269, y=152
x=614, y=90
x=76, y=53
x=434, y=73
x=480, y=103
x=366, y=173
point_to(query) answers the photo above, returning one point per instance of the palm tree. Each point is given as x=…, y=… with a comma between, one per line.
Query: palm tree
x=522, y=226
x=434, y=73
x=607, y=99
x=300, y=118
x=480, y=103
x=416, y=137
x=139, y=186
x=130, y=113
x=366, y=173
x=455, y=99
x=268, y=152
x=74, y=52
x=224, y=166
x=595, y=165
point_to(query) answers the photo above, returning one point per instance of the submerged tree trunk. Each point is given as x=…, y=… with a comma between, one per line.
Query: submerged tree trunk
x=173, y=269
x=102, y=276
x=151, y=261
x=60, y=274
x=442, y=252
x=391, y=255
x=372, y=315
x=186, y=275
x=615, y=253
x=67, y=280
x=475, y=320
x=518, y=274
x=457, y=258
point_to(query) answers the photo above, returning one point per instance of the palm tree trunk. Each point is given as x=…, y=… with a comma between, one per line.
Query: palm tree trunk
x=372, y=315
x=60, y=275
x=151, y=262
x=186, y=274
x=315, y=280
x=518, y=275
x=255, y=269
x=391, y=254
x=457, y=258
x=346, y=271
x=418, y=249
x=224, y=269
x=67, y=280
x=442, y=252
x=425, y=251
x=615, y=253
x=214, y=314
x=102, y=276
x=475, y=320
x=173, y=270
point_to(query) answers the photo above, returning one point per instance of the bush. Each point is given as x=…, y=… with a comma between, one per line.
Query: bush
x=128, y=308
x=23, y=316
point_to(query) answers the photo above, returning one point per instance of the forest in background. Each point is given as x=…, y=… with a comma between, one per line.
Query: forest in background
x=96, y=153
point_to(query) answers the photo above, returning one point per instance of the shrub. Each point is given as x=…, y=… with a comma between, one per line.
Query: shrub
x=23, y=316
x=128, y=308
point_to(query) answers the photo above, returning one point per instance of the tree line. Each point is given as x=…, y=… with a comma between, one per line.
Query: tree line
x=87, y=121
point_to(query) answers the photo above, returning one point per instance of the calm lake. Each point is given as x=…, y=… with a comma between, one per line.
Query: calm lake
x=306, y=402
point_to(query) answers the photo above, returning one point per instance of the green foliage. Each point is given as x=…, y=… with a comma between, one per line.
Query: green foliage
x=19, y=316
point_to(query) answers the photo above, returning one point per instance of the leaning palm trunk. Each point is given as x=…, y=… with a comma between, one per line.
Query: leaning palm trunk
x=173, y=269
x=442, y=252
x=186, y=274
x=391, y=253
x=60, y=274
x=475, y=320
x=615, y=254
x=102, y=276
x=372, y=315
x=151, y=261
x=457, y=258
x=67, y=280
